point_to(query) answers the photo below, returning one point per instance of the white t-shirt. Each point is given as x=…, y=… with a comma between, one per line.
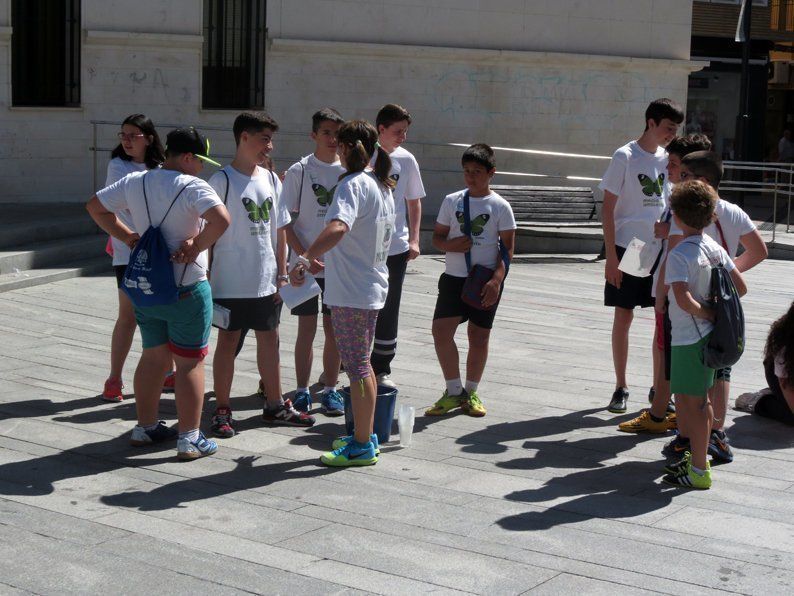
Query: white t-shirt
x=319, y=181
x=355, y=269
x=637, y=178
x=244, y=258
x=489, y=216
x=405, y=172
x=691, y=261
x=184, y=219
x=117, y=169
x=734, y=221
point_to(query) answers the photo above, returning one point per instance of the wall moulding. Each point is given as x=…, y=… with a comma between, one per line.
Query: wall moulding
x=128, y=38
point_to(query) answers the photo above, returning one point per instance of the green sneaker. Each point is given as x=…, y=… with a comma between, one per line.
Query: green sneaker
x=689, y=479
x=344, y=441
x=351, y=454
x=446, y=404
x=473, y=405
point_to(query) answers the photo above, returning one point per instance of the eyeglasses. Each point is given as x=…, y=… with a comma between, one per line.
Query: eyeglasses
x=123, y=136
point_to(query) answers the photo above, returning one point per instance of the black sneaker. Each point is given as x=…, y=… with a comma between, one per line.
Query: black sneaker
x=619, y=399
x=670, y=404
x=651, y=395
x=222, y=423
x=286, y=415
x=719, y=449
x=676, y=448
x=162, y=432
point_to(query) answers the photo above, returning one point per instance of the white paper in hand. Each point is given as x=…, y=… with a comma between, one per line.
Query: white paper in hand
x=296, y=295
x=632, y=262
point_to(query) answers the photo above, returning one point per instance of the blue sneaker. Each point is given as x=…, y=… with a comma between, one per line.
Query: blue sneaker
x=352, y=454
x=187, y=450
x=302, y=401
x=333, y=404
x=719, y=447
x=344, y=441
x=676, y=448
x=141, y=438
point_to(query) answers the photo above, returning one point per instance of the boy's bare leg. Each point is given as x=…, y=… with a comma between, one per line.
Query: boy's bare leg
x=148, y=383
x=331, y=358
x=699, y=423
x=362, y=397
x=661, y=396
x=718, y=395
x=189, y=392
x=478, y=352
x=655, y=355
x=304, y=351
x=620, y=344
x=223, y=366
x=268, y=361
x=123, y=332
x=446, y=348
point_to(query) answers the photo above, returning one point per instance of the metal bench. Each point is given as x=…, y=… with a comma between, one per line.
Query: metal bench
x=551, y=204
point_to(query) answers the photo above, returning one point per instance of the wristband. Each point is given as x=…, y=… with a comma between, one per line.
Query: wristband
x=283, y=278
x=304, y=261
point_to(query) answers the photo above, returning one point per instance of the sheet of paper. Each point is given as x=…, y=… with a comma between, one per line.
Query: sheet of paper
x=296, y=295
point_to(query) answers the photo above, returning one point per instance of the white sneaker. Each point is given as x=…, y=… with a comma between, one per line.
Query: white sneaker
x=187, y=450
x=385, y=381
x=746, y=401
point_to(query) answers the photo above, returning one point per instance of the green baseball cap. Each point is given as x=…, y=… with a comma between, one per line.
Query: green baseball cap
x=190, y=140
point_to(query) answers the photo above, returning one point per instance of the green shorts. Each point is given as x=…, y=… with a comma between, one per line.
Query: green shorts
x=688, y=374
x=184, y=325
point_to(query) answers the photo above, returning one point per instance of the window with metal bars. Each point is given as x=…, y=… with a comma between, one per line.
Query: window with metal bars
x=234, y=54
x=45, y=53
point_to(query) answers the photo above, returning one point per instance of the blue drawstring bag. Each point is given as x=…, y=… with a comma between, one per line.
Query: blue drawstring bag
x=149, y=278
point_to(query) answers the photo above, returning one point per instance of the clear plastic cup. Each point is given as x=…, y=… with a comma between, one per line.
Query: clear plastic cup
x=405, y=422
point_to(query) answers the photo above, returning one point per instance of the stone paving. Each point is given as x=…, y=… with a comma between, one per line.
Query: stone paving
x=542, y=496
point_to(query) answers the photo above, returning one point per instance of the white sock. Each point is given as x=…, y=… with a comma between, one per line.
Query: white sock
x=328, y=389
x=191, y=435
x=302, y=389
x=454, y=386
x=698, y=471
x=471, y=386
x=149, y=426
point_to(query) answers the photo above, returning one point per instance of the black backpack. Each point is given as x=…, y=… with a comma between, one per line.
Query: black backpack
x=726, y=343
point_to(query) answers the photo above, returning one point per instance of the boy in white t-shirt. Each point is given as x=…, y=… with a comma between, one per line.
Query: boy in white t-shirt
x=392, y=123
x=190, y=217
x=635, y=194
x=307, y=193
x=492, y=223
x=688, y=273
x=247, y=271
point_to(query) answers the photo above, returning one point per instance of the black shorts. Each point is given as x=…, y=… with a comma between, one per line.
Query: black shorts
x=312, y=305
x=259, y=314
x=449, y=303
x=633, y=292
x=120, y=270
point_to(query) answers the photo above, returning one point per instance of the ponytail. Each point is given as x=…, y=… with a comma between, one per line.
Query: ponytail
x=361, y=140
x=382, y=168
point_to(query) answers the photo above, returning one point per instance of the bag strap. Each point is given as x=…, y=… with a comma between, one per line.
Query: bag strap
x=503, y=253
x=722, y=234
x=300, y=190
x=226, y=194
x=171, y=205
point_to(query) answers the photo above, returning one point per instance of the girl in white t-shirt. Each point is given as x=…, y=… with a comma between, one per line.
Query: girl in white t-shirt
x=139, y=149
x=355, y=242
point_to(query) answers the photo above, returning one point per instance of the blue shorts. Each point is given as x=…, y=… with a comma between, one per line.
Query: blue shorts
x=184, y=325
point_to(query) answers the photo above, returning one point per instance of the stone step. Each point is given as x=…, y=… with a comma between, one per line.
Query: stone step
x=16, y=234
x=35, y=277
x=54, y=253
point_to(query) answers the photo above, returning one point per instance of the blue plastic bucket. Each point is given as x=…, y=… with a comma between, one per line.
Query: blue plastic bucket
x=384, y=412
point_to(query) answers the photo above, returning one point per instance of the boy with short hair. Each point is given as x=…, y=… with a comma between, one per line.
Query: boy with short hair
x=247, y=272
x=635, y=194
x=492, y=223
x=307, y=194
x=688, y=273
x=190, y=217
x=392, y=123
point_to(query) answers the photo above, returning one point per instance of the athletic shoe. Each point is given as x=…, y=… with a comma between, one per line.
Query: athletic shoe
x=651, y=395
x=332, y=404
x=746, y=401
x=446, y=404
x=303, y=401
x=618, y=403
x=719, y=449
x=169, y=383
x=112, y=391
x=676, y=448
x=343, y=441
x=261, y=390
x=689, y=479
x=186, y=449
x=473, y=405
x=286, y=415
x=222, y=423
x=670, y=407
x=679, y=466
x=384, y=380
x=351, y=454
x=645, y=424
x=141, y=438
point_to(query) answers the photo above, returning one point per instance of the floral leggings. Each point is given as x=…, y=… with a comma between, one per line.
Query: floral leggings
x=354, y=329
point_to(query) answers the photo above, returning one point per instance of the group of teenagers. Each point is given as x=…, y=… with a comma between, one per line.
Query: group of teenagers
x=346, y=216
x=662, y=189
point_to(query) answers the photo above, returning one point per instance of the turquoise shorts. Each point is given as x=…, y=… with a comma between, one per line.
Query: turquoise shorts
x=688, y=374
x=184, y=325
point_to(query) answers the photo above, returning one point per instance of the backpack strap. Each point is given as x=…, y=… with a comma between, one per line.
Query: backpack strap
x=300, y=189
x=172, y=203
x=145, y=200
x=467, y=227
x=722, y=234
x=226, y=194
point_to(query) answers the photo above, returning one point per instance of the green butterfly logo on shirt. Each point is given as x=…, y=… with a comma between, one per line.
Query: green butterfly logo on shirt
x=324, y=196
x=477, y=224
x=651, y=187
x=395, y=177
x=256, y=213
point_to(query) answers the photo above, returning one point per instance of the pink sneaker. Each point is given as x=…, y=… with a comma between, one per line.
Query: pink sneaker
x=168, y=383
x=112, y=392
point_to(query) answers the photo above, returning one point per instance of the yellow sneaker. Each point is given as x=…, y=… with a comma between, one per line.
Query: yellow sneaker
x=446, y=404
x=644, y=424
x=473, y=405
